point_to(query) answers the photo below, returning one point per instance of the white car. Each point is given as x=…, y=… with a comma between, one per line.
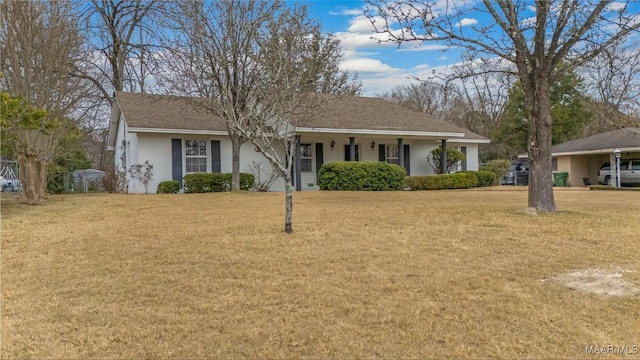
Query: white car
x=9, y=185
x=4, y=183
x=629, y=173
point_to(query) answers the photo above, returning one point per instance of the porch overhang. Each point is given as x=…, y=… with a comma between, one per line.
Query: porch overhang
x=588, y=152
x=382, y=132
x=177, y=131
x=596, y=151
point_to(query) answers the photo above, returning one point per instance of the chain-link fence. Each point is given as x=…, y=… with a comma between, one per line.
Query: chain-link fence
x=84, y=181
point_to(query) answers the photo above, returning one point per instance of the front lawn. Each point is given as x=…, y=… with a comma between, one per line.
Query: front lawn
x=464, y=274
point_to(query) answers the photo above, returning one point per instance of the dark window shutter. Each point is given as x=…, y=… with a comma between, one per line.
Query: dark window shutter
x=176, y=160
x=319, y=158
x=407, y=159
x=346, y=152
x=216, y=164
x=382, y=155
x=463, y=149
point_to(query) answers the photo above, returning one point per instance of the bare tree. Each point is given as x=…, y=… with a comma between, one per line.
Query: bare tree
x=36, y=74
x=613, y=78
x=220, y=58
x=432, y=98
x=473, y=102
x=257, y=65
x=120, y=36
x=34, y=69
x=484, y=97
x=121, y=39
x=561, y=36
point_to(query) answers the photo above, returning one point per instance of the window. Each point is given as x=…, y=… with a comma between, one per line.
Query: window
x=305, y=158
x=195, y=156
x=347, y=152
x=391, y=153
x=624, y=164
x=635, y=165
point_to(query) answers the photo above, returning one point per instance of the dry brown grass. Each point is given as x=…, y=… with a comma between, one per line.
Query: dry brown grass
x=365, y=275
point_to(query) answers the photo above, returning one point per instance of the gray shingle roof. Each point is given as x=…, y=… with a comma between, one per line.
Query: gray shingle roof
x=166, y=112
x=619, y=138
x=334, y=112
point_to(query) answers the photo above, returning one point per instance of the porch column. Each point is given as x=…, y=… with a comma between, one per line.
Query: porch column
x=443, y=158
x=298, y=169
x=401, y=153
x=352, y=148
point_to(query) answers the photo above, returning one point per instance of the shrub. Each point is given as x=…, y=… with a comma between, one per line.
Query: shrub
x=93, y=186
x=607, y=187
x=207, y=182
x=453, y=157
x=498, y=167
x=142, y=173
x=61, y=166
x=114, y=180
x=485, y=178
x=246, y=181
x=361, y=176
x=169, y=187
x=264, y=176
x=215, y=182
x=442, y=181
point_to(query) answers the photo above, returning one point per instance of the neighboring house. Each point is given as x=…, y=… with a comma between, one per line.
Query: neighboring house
x=179, y=138
x=582, y=158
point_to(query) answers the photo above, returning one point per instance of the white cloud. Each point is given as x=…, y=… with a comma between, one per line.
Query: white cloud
x=529, y=21
x=347, y=12
x=531, y=8
x=364, y=65
x=423, y=47
x=362, y=24
x=467, y=22
x=615, y=6
x=352, y=40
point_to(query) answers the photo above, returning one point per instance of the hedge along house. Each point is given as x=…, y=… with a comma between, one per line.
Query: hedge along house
x=178, y=138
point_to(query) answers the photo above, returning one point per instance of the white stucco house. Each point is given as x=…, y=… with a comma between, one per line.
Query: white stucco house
x=179, y=138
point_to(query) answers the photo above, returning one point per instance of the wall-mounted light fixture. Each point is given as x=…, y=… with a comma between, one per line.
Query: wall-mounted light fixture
x=333, y=143
x=373, y=145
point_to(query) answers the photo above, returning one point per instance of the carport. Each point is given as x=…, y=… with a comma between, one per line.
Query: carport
x=582, y=158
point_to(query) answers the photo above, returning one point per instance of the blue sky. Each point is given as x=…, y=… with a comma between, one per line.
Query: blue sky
x=382, y=67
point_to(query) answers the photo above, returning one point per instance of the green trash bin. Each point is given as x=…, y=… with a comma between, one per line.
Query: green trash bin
x=560, y=178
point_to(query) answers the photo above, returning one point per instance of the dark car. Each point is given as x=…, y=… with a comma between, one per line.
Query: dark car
x=518, y=173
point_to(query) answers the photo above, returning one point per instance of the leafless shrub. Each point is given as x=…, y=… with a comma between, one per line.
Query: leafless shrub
x=264, y=176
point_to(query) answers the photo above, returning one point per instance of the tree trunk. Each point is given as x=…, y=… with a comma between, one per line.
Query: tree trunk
x=235, y=171
x=540, y=164
x=28, y=178
x=288, y=189
x=41, y=174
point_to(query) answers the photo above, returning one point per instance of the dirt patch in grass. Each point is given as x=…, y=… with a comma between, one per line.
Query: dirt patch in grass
x=598, y=281
x=446, y=274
